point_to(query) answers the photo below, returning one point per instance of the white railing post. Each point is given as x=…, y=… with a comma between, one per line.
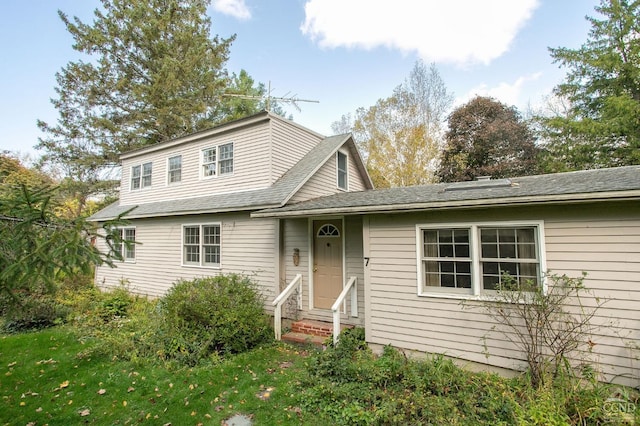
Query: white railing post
x=280, y=299
x=350, y=287
x=277, y=321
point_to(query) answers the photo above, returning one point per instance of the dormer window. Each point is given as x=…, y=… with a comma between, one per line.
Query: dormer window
x=174, y=167
x=217, y=160
x=342, y=167
x=141, y=176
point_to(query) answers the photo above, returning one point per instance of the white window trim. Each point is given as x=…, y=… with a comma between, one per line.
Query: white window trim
x=200, y=264
x=123, y=247
x=168, y=182
x=217, y=175
x=346, y=156
x=476, y=292
x=141, y=165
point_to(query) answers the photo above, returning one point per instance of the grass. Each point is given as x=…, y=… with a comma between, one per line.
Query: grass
x=44, y=380
x=114, y=363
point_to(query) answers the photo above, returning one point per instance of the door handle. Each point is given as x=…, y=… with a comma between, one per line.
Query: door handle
x=315, y=269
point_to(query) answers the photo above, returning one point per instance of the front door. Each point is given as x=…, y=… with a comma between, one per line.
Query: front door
x=327, y=262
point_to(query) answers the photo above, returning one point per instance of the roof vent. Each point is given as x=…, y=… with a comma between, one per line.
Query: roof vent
x=482, y=182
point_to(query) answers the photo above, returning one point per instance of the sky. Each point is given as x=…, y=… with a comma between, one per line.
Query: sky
x=344, y=54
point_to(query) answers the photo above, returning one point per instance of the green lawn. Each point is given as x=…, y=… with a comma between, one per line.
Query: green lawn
x=44, y=379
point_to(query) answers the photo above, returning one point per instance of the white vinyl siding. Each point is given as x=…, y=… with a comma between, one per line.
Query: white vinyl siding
x=604, y=242
x=247, y=248
x=289, y=143
x=201, y=245
x=250, y=167
x=323, y=182
x=174, y=167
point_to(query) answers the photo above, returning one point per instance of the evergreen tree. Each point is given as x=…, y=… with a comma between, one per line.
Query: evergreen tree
x=602, y=126
x=153, y=72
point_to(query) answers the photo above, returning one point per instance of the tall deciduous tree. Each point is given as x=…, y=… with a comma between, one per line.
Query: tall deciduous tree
x=487, y=138
x=602, y=126
x=400, y=136
x=153, y=72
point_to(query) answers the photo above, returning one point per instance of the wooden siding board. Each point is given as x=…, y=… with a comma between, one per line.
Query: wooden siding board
x=577, y=239
x=356, y=180
x=323, y=182
x=159, y=254
x=354, y=265
x=290, y=144
x=251, y=168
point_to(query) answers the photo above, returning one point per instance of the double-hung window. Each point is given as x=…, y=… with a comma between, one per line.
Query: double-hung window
x=174, y=167
x=217, y=160
x=475, y=259
x=141, y=176
x=201, y=245
x=125, y=247
x=342, y=167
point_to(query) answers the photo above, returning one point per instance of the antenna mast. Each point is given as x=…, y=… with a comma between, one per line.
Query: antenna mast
x=293, y=99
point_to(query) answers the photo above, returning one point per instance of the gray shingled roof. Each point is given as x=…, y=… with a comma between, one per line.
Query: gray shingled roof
x=274, y=196
x=586, y=185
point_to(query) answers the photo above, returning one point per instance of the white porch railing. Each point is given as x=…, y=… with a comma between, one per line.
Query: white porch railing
x=352, y=288
x=279, y=301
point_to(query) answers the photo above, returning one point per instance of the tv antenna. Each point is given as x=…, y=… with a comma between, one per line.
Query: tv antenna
x=293, y=99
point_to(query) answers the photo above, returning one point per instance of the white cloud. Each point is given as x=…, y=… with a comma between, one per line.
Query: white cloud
x=236, y=8
x=505, y=92
x=453, y=31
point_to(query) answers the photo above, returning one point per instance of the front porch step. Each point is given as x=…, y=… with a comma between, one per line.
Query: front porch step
x=313, y=328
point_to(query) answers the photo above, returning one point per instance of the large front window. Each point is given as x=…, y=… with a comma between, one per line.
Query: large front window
x=447, y=258
x=201, y=245
x=475, y=259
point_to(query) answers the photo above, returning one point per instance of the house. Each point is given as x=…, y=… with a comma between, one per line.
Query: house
x=297, y=212
x=189, y=201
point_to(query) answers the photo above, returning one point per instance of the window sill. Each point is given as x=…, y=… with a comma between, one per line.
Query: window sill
x=223, y=176
x=472, y=297
x=187, y=265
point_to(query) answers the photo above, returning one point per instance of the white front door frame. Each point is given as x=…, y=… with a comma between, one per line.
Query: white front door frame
x=312, y=254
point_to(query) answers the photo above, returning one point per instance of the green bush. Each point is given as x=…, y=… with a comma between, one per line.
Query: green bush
x=348, y=384
x=35, y=312
x=209, y=317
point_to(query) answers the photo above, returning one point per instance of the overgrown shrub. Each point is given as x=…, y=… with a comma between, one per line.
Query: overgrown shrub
x=210, y=317
x=35, y=312
x=548, y=327
x=348, y=384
